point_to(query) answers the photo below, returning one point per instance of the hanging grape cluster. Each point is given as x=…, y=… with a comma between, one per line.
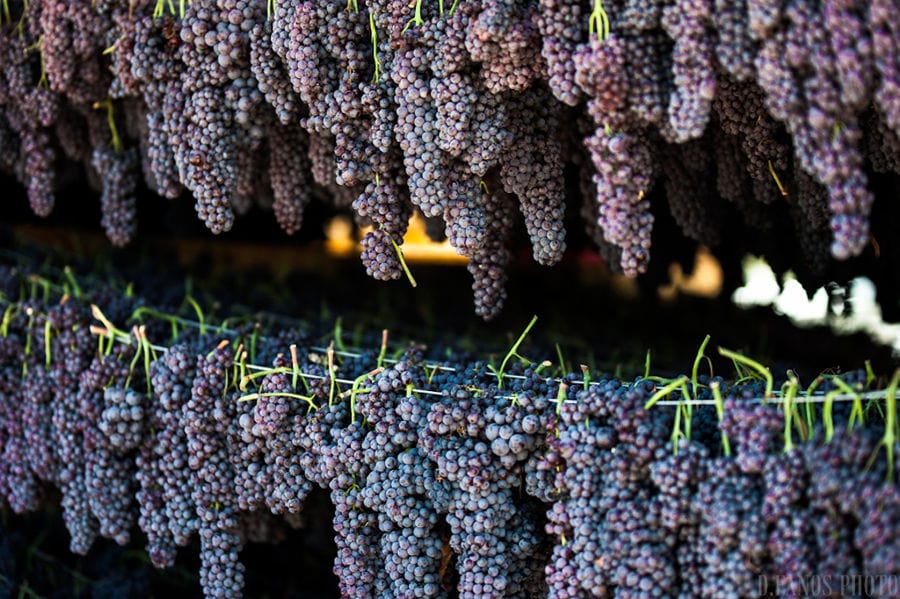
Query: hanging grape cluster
x=464, y=112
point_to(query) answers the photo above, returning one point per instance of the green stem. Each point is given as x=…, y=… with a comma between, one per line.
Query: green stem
x=7, y=318
x=254, y=338
x=664, y=391
x=374, y=38
x=777, y=179
x=355, y=390
x=332, y=384
x=540, y=367
x=111, y=122
x=688, y=408
x=47, y=353
x=27, y=350
x=417, y=19
x=828, y=414
x=856, y=412
x=199, y=313
x=339, y=335
x=256, y=396
x=720, y=412
x=403, y=265
x=676, y=431
x=149, y=356
x=266, y=372
x=560, y=397
x=599, y=21
x=513, y=351
x=76, y=289
x=430, y=375
x=172, y=320
x=870, y=374
x=752, y=364
x=562, y=363
x=383, y=351
x=242, y=372
x=21, y=23
x=696, y=367
x=295, y=366
x=890, y=427
x=788, y=406
x=111, y=330
x=138, y=354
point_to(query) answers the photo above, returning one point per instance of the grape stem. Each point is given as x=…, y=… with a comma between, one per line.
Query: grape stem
x=114, y=46
x=47, y=333
x=189, y=299
x=720, y=412
x=138, y=354
x=7, y=317
x=562, y=361
x=375, y=59
x=890, y=427
x=856, y=412
x=599, y=21
x=399, y=251
x=513, y=351
x=339, y=335
x=111, y=121
x=383, y=351
x=38, y=45
x=70, y=276
x=356, y=390
x=665, y=390
x=543, y=365
x=257, y=396
x=110, y=329
x=788, y=406
x=160, y=8
x=332, y=384
x=417, y=19
x=761, y=370
x=561, y=396
x=696, y=366
x=27, y=349
x=21, y=23
x=777, y=180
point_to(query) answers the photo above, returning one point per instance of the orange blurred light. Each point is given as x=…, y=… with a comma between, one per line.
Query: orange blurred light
x=417, y=246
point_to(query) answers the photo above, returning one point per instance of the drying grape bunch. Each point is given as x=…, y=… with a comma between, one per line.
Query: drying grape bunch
x=454, y=109
x=447, y=479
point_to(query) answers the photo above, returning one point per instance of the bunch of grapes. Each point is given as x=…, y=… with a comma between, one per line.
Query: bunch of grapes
x=446, y=478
